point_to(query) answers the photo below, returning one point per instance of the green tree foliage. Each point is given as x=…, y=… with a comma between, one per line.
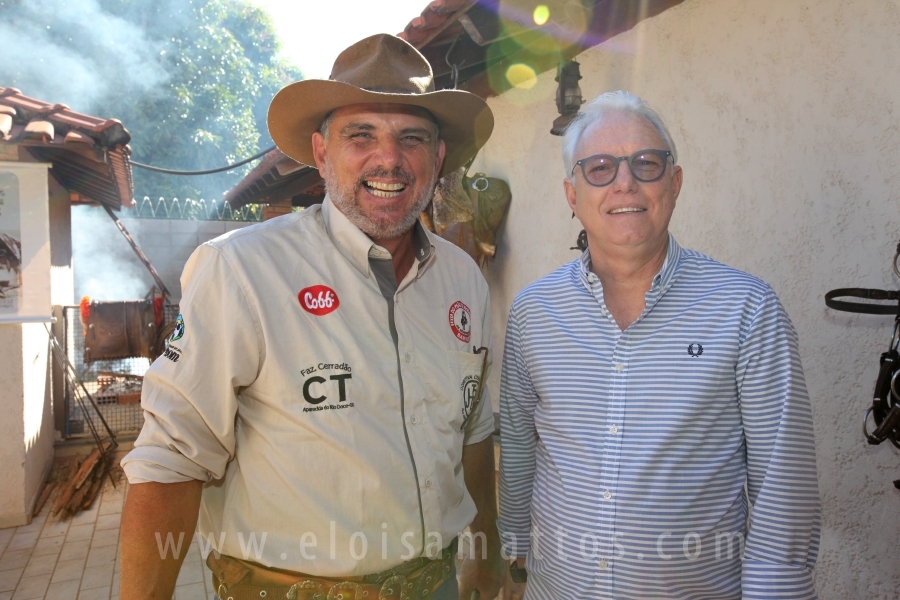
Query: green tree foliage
x=190, y=79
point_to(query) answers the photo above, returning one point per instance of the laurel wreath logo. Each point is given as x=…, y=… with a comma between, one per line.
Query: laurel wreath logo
x=695, y=350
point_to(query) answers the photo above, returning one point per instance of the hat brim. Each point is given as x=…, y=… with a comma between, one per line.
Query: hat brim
x=297, y=111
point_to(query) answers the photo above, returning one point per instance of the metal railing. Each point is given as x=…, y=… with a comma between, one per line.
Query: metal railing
x=191, y=210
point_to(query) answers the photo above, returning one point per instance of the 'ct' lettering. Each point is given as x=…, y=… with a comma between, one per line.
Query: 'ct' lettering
x=306, y=395
x=342, y=388
x=340, y=379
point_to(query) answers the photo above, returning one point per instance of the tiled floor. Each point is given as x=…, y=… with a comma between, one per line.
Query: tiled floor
x=78, y=559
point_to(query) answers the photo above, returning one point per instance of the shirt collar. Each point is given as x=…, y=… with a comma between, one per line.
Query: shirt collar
x=356, y=246
x=661, y=282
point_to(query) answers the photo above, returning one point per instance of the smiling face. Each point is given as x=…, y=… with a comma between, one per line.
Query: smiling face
x=380, y=163
x=627, y=214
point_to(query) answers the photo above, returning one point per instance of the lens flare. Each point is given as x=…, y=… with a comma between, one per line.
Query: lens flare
x=541, y=14
x=521, y=76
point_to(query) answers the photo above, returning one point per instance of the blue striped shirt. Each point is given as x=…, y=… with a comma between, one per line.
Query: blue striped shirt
x=630, y=460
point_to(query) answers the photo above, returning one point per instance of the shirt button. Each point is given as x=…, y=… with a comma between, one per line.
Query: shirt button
x=592, y=278
x=619, y=367
x=414, y=419
x=408, y=357
x=603, y=563
x=607, y=495
x=614, y=430
x=428, y=483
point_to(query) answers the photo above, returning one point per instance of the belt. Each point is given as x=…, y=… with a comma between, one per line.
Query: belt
x=417, y=579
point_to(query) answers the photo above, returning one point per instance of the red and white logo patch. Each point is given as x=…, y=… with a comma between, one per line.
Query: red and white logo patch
x=461, y=321
x=318, y=300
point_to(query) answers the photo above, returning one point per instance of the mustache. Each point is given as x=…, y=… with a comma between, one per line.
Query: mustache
x=395, y=173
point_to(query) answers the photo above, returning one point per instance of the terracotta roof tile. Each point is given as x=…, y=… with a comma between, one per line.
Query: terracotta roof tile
x=89, y=154
x=275, y=179
x=432, y=20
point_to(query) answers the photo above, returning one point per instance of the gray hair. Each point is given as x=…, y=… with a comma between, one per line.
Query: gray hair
x=595, y=110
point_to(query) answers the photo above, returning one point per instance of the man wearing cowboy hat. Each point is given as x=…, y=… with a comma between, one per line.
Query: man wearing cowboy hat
x=322, y=407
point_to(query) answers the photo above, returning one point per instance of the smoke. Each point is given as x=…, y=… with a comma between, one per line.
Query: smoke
x=75, y=52
x=105, y=266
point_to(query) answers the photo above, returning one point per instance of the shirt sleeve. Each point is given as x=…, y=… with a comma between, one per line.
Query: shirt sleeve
x=518, y=436
x=481, y=426
x=189, y=394
x=783, y=538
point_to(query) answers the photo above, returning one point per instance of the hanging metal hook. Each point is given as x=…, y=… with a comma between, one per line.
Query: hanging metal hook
x=454, y=73
x=896, y=257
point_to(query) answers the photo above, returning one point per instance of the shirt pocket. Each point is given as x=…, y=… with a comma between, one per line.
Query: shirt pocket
x=465, y=372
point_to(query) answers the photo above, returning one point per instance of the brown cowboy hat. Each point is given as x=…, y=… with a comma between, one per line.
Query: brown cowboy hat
x=382, y=68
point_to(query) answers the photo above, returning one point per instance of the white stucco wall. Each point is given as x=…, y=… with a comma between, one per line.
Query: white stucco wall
x=787, y=121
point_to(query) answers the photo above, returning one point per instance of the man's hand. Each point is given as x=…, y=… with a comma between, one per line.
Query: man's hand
x=484, y=575
x=153, y=512
x=511, y=589
x=483, y=568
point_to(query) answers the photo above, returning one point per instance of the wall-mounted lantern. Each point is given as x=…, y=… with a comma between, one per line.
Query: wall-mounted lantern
x=568, y=95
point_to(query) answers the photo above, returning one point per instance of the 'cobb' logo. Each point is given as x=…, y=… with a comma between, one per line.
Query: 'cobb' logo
x=318, y=300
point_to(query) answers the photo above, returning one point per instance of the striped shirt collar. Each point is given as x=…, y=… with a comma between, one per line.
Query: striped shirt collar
x=357, y=247
x=663, y=280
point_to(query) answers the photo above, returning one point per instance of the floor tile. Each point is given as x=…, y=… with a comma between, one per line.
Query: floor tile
x=191, y=572
x=6, y=595
x=30, y=588
x=5, y=536
x=80, y=532
x=101, y=593
x=36, y=524
x=110, y=506
x=108, y=522
x=14, y=560
x=104, y=555
x=40, y=565
x=194, y=591
x=9, y=579
x=68, y=570
x=106, y=537
x=95, y=577
x=85, y=517
x=73, y=550
x=23, y=541
x=64, y=590
x=54, y=529
x=48, y=545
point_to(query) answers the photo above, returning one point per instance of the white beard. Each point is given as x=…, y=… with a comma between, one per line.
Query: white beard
x=385, y=227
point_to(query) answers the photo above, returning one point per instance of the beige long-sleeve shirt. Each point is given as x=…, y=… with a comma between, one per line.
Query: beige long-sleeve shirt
x=323, y=404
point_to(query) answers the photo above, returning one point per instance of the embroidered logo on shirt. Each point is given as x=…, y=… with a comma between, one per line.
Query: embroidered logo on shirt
x=695, y=350
x=172, y=353
x=461, y=321
x=179, y=329
x=469, y=389
x=316, y=387
x=318, y=300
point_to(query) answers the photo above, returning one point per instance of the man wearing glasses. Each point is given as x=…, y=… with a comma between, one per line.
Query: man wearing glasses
x=651, y=397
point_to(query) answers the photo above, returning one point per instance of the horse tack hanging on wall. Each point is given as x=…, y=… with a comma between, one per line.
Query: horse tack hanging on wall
x=468, y=211
x=885, y=408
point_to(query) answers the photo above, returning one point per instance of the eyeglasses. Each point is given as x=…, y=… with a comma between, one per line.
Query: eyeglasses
x=645, y=165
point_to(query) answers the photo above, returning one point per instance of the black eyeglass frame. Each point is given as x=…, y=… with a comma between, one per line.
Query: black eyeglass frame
x=630, y=160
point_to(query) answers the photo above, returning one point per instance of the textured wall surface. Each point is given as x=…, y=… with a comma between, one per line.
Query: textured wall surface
x=787, y=121
x=106, y=267
x=12, y=452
